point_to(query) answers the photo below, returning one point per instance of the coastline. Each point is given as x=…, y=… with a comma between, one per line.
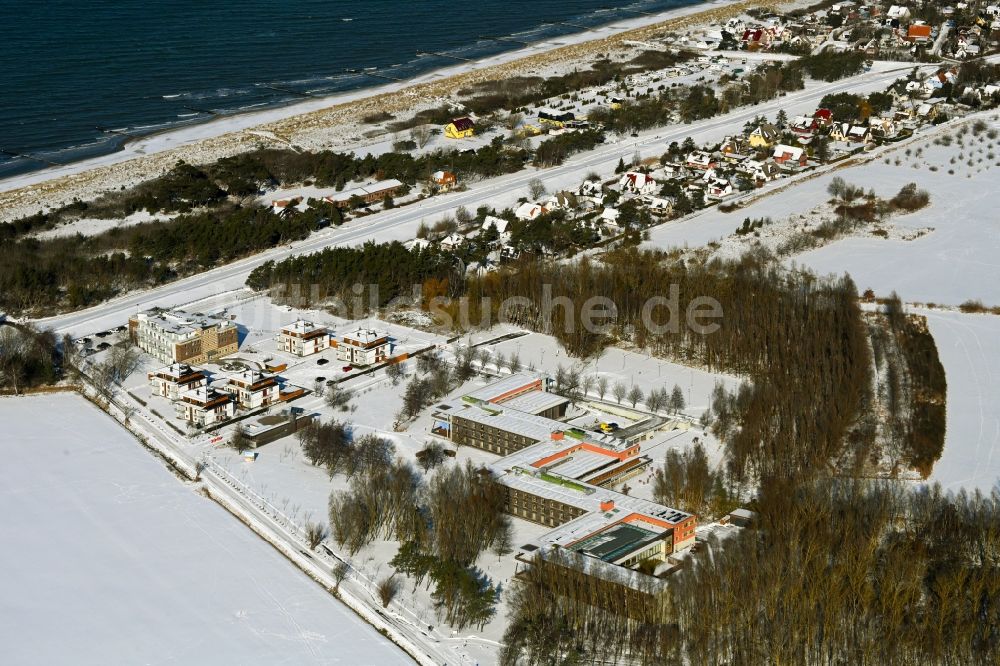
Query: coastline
x=316, y=123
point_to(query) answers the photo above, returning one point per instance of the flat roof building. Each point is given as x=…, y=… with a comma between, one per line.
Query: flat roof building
x=180, y=337
x=303, y=338
x=555, y=475
x=363, y=346
x=174, y=379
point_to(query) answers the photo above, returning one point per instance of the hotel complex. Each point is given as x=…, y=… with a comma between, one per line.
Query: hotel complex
x=179, y=337
x=560, y=476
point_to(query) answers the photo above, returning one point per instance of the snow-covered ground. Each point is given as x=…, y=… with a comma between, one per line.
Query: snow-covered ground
x=108, y=558
x=969, y=348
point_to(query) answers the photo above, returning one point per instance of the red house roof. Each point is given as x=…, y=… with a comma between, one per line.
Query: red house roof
x=916, y=31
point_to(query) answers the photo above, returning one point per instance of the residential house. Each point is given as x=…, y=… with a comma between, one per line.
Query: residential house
x=555, y=117
x=529, y=211
x=564, y=200
x=252, y=389
x=452, y=242
x=789, y=155
x=764, y=135
x=363, y=346
x=171, y=381
x=303, y=338
x=675, y=171
x=898, y=12
x=497, y=223
x=659, y=205
x=366, y=194
x=637, y=182
x=460, y=128
x=822, y=118
x=717, y=188
x=609, y=216
x=444, y=180
x=286, y=206
x=803, y=125
x=918, y=33
x=204, y=406
x=701, y=160
x=760, y=172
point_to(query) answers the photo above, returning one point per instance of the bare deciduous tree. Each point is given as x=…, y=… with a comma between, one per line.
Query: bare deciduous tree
x=387, y=589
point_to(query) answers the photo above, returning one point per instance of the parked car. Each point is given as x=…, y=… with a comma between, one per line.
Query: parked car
x=322, y=361
x=347, y=368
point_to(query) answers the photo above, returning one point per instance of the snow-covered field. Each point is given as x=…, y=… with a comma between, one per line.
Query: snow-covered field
x=969, y=348
x=108, y=558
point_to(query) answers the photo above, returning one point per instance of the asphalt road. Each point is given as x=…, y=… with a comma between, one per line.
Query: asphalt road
x=401, y=223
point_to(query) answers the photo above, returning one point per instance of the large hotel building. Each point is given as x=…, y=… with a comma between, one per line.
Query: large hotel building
x=180, y=337
x=560, y=476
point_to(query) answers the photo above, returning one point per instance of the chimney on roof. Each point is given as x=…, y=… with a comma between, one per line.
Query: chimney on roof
x=557, y=435
x=607, y=505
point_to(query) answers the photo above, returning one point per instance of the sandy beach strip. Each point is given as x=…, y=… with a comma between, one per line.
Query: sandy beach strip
x=333, y=122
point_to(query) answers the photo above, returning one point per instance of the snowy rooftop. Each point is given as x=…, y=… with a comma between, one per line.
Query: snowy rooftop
x=302, y=327
x=180, y=322
x=535, y=402
x=501, y=387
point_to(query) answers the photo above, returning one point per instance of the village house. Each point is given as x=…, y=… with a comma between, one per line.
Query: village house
x=363, y=346
x=205, y=406
x=252, y=389
x=444, y=180
x=555, y=117
x=529, y=211
x=789, y=155
x=659, y=205
x=803, y=125
x=452, y=242
x=171, y=381
x=498, y=223
x=179, y=337
x=564, y=200
x=760, y=172
x=918, y=33
x=718, y=188
x=637, y=183
x=367, y=194
x=303, y=338
x=675, y=171
x=764, y=135
x=286, y=206
x=701, y=160
x=460, y=128
x=734, y=147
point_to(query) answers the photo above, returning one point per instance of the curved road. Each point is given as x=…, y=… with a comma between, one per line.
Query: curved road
x=401, y=223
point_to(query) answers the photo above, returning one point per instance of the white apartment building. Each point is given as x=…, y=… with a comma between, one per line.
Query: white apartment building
x=303, y=338
x=363, y=346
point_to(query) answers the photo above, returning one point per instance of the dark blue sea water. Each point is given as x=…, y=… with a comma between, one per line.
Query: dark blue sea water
x=70, y=70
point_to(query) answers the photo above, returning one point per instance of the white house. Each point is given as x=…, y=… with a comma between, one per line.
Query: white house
x=174, y=379
x=363, y=346
x=610, y=216
x=529, y=211
x=719, y=188
x=699, y=159
x=252, y=389
x=205, y=405
x=898, y=12
x=637, y=182
x=789, y=155
x=303, y=338
x=497, y=223
x=452, y=242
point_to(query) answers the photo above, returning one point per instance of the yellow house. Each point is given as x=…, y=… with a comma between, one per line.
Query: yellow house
x=763, y=136
x=460, y=128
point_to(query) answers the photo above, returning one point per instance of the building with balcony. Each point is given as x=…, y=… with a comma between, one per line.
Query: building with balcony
x=170, y=381
x=205, y=406
x=252, y=389
x=180, y=337
x=303, y=338
x=363, y=346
